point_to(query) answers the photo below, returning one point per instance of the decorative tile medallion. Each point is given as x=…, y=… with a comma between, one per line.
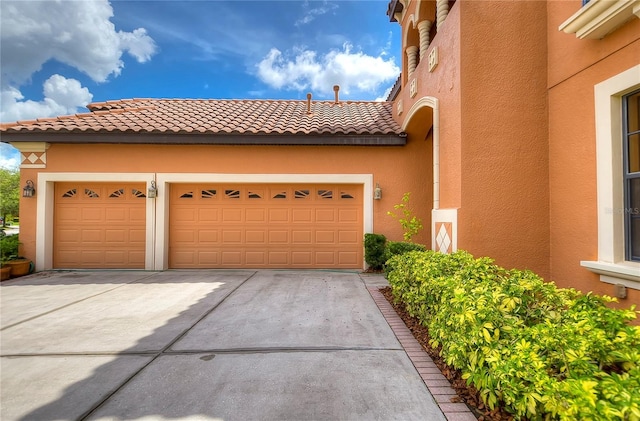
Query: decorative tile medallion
x=443, y=237
x=33, y=159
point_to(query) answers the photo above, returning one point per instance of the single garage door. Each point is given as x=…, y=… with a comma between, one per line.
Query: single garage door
x=99, y=225
x=265, y=226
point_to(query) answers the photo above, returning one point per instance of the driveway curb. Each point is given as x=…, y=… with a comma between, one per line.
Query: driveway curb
x=438, y=385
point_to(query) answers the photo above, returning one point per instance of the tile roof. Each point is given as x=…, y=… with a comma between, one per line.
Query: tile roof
x=220, y=117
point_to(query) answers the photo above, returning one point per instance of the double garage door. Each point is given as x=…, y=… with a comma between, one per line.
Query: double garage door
x=99, y=225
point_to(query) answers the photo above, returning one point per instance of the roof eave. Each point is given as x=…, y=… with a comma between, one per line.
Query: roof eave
x=386, y=139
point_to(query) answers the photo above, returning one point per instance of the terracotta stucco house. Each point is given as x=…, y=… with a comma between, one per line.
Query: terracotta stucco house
x=513, y=124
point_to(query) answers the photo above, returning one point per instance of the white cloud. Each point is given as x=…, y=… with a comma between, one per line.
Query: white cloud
x=77, y=33
x=61, y=96
x=9, y=157
x=312, y=13
x=353, y=71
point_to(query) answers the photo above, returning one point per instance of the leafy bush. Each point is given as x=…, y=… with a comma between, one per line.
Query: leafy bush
x=393, y=248
x=374, y=250
x=540, y=351
x=410, y=223
x=8, y=247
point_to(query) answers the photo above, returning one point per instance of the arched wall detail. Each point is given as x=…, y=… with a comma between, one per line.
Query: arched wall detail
x=444, y=222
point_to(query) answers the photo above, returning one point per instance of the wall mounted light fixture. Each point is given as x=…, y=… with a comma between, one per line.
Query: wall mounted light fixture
x=28, y=190
x=377, y=193
x=152, y=193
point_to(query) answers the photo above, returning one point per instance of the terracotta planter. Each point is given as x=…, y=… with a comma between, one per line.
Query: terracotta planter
x=5, y=273
x=19, y=267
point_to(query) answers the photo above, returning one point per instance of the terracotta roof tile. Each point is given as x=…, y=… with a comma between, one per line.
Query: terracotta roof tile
x=221, y=117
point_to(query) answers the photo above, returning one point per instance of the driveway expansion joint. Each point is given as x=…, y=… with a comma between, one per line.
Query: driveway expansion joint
x=432, y=377
x=155, y=355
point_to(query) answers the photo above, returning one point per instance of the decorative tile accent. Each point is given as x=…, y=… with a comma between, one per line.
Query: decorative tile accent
x=443, y=238
x=444, y=230
x=33, y=159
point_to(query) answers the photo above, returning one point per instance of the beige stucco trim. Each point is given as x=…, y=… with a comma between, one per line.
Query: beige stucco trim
x=598, y=18
x=30, y=146
x=164, y=181
x=431, y=102
x=45, y=210
x=610, y=195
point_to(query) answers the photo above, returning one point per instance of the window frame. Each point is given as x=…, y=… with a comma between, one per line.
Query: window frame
x=611, y=264
x=629, y=211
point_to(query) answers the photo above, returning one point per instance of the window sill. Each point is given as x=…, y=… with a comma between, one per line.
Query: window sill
x=599, y=18
x=627, y=273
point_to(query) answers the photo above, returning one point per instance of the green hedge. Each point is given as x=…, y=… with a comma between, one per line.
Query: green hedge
x=539, y=351
x=374, y=250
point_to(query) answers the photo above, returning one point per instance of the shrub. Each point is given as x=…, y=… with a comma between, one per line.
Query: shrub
x=8, y=247
x=540, y=351
x=374, y=250
x=394, y=248
x=410, y=223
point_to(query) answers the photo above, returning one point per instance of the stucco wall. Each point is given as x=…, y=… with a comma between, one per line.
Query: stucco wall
x=572, y=143
x=396, y=169
x=504, y=212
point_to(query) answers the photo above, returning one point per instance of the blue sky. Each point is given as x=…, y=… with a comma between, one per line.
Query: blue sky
x=57, y=56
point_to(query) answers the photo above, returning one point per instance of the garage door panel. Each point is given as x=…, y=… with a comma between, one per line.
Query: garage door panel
x=232, y=237
x=116, y=215
x=278, y=226
x=184, y=236
x=255, y=258
x=96, y=215
x=231, y=215
x=67, y=236
x=137, y=236
x=348, y=215
x=325, y=215
x=301, y=258
x=278, y=258
x=208, y=215
x=325, y=258
x=67, y=214
x=208, y=258
x=348, y=237
x=278, y=215
x=91, y=236
x=303, y=216
x=348, y=258
x=231, y=258
x=325, y=237
x=278, y=237
x=117, y=257
x=113, y=237
x=301, y=237
x=99, y=225
x=138, y=214
x=256, y=215
x=256, y=237
x=208, y=236
x=182, y=215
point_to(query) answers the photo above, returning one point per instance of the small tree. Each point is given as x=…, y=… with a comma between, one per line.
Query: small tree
x=9, y=193
x=411, y=224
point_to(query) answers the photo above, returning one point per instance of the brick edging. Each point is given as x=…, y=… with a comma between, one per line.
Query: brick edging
x=437, y=384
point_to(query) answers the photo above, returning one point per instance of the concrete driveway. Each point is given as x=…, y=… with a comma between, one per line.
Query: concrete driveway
x=205, y=345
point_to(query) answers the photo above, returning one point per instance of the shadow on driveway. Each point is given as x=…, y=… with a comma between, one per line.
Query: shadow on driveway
x=208, y=345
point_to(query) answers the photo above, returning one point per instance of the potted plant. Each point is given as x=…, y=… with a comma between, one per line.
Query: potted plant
x=12, y=264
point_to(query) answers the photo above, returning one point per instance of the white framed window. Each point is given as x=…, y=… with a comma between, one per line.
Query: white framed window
x=631, y=174
x=613, y=263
